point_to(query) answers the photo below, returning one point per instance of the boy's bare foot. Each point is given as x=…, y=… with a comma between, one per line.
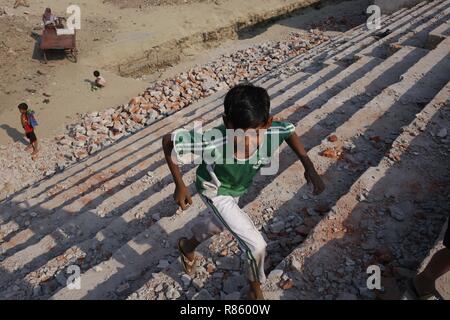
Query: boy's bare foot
x=34, y=155
x=255, y=291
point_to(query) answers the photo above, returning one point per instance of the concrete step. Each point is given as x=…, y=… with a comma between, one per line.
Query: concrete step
x=325, y=52
x=397, y=26
x=441, y=31
x=330, y=240
x=419, y=36
x=437, y=35
x=360, y=81
x=414, y=24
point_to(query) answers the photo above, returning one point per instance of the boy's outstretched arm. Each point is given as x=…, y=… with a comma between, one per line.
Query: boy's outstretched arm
x=311, y=174
x=181, y=195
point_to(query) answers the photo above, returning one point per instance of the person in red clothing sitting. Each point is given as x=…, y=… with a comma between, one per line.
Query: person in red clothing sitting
x=28, y=123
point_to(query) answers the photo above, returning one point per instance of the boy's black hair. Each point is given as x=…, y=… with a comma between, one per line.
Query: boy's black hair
x=23, y=106
x=96, y=73
x=247, y=106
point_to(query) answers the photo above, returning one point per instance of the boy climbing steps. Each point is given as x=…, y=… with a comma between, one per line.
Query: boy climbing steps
x=230, y=161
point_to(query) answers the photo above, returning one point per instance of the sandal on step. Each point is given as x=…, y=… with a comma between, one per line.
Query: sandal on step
x=188, y=265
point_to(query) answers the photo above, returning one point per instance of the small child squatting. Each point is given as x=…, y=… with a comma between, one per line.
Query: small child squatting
x=221, y=183
x=99, y=81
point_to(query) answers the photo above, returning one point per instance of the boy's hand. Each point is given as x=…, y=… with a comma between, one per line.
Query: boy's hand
x=311, y=174
x=182, y=197
x=316, y=181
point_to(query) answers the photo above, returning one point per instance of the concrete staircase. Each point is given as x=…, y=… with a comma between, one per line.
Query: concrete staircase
x=113, y=214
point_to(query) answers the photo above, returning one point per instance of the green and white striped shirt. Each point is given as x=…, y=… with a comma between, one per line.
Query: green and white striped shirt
x=220, y=172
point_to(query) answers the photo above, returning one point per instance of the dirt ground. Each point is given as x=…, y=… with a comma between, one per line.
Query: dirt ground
x=114, y=33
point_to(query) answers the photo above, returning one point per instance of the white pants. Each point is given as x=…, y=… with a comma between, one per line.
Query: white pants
x=227, y=214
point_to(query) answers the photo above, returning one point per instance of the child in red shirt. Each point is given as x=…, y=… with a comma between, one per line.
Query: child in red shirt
x=28, y=123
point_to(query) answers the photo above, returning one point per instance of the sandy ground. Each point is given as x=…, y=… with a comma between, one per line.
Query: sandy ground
x=111, y=33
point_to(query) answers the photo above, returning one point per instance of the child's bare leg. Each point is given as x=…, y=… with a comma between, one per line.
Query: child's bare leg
x=35, y=152
x=438, y=266
x=35, y=147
